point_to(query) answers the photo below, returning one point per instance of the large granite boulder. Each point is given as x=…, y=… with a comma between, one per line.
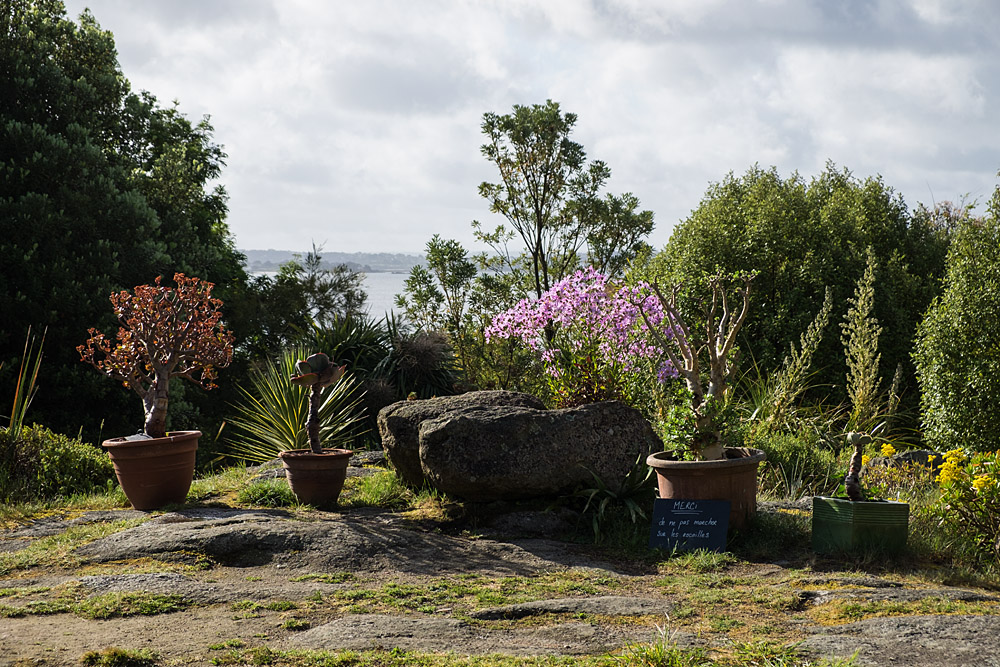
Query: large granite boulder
x=399, y=424
x=487, y=453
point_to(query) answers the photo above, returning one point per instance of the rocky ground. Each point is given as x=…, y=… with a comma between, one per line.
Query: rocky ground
x=212, y=583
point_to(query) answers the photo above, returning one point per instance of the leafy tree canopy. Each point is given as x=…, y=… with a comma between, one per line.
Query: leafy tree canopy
x=551, y=198
x=804, y=236
x=100, y=190
x=957, y=351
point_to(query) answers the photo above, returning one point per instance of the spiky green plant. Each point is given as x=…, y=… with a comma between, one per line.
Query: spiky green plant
x=271, y=413
x=355, y=340
x=861, y=332
x=27, y=376
x=633, y=495
x=419, y=362
x=791, y=381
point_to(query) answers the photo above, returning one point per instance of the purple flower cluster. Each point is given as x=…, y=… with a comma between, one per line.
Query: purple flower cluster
x=591, y=316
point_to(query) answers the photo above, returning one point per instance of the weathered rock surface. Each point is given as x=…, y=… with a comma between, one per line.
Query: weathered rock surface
x=510, y=453
x=319, y=555
x=441, y=634
x=399, y=424
x=915, y=641
x=366, y=542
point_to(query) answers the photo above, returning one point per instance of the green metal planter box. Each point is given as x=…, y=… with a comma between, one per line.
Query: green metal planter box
x=840, y=525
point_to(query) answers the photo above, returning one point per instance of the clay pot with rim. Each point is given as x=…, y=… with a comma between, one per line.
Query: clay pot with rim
x=154, y=472
x=733, y=478
x=316, y=479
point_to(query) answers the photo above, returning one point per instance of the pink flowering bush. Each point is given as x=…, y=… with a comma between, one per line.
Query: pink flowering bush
x=591, y=337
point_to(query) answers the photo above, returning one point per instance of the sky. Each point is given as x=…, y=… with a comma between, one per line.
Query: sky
x=355, y=125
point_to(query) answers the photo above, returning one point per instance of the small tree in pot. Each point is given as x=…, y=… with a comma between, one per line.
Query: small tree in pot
x=316, y=475
x=686, y=350
x=166, y=332
x=720, y=473
x=317, y=373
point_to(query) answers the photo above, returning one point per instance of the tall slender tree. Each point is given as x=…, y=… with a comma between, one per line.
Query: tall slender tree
x=551, y=198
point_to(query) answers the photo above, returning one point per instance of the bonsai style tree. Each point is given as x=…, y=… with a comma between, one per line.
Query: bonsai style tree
x=316, y=372
x=686, y=350
x=166, y=332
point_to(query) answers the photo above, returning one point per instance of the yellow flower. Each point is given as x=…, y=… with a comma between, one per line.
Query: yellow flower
x=888, y=450
x=949, y=472
x=955, y=456
x=865, y=459
x=982, y=482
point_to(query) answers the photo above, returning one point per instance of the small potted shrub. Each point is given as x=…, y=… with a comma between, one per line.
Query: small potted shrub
x=858, y=522
x=316, y=475
x=703, y=467
x=166, y=332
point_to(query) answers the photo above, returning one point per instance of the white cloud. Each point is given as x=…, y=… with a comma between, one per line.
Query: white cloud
x=357, y=123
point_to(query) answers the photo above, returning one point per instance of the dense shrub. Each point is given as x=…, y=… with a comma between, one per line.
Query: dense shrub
x=802, y=237
x=797, y=464
x=969, y=505
x=419, y=362
x=957, y=352
x=36, y=464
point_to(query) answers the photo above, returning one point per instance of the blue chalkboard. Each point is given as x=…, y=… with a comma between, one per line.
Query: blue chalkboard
x=686, y=525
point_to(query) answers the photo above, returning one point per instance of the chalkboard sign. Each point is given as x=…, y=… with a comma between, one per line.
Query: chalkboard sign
x=686, y=525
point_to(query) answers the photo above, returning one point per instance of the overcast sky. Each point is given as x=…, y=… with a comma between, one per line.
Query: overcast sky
x=356, y=123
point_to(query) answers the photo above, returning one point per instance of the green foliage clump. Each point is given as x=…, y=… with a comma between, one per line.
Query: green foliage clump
x=421, y=363
x=123, y=605
x=459, y=296
x=267, y=493
x=36, y=464
x=133, y=198
x=120, y=657
x=797, y=464
x=969, y=505
x=957, y=350
x=801, y=238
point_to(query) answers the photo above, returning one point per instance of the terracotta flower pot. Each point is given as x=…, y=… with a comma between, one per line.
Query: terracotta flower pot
x=316, y=479
x=733, y=478
x=155, y=472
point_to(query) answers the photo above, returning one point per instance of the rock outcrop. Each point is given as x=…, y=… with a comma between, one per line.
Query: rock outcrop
x=399, y=424
x=487, y=446
x=512, y=453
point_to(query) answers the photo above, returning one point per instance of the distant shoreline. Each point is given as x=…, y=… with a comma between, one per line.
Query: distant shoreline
x=264, y=261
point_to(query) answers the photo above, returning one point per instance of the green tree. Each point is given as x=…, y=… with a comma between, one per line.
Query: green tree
x=802, y=237
x=100, y=190
x=174, y=163
x=282, y=310
x=550, y=197
x=328, y=293
x=456, y=295
x=614, y=244
x=957, y=350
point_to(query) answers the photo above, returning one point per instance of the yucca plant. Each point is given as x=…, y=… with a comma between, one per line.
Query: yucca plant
x=272, y=413
x=634, y=495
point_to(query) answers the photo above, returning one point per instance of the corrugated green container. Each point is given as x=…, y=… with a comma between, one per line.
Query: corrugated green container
x=840, y=525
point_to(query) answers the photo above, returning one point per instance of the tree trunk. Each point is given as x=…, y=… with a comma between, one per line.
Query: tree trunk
x=312, y=426
x=155, y=404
